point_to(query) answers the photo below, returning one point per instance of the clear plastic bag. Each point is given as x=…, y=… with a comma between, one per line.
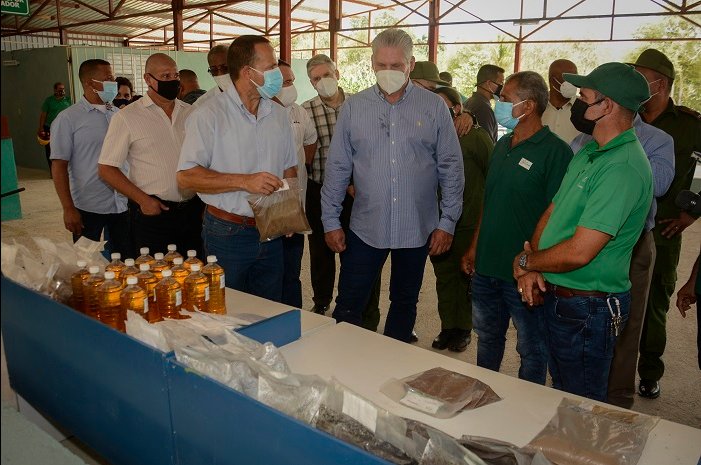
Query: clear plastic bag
x=439, y=392
x=584, y=433
x=496, y=452
x=279, y=213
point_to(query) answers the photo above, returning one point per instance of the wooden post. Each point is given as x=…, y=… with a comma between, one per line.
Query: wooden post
x=286, y=30
x=434, y=15
x=334, y=26
x=177, y=23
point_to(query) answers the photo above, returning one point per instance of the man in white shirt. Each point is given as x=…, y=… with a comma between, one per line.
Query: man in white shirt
x=148, y=135
x=236, y=144
x=304, y=134
x=560, y=99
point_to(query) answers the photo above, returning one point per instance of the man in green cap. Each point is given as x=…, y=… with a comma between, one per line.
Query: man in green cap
x=684, y=125
x=582, y=246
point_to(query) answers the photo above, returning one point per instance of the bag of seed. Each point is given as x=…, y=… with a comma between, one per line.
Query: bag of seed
x=281, y=212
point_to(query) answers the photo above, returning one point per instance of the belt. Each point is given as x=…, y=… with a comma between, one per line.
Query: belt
x=562, y=291
x=230, y=217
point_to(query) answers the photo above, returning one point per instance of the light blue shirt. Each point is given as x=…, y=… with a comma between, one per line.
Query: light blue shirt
x=222, y=135
x=659, y=148
x=398, y=155
x=77, y=135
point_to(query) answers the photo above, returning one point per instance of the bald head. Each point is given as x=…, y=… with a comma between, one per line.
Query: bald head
x=159, y=60
x=558, y=67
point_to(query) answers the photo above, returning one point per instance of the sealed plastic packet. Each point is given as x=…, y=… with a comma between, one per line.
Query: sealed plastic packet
x=279, y=213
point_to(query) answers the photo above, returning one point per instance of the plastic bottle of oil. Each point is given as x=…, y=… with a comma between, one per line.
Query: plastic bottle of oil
x=172, y=254
x=179, y=271
x=144, y=257
x=91, y=299
x=169, y=296
x=110, y=312
x=77, y=280
x=217, y=284
x=130, y=269
x=116, y=265
x=196, y=290
x=148, y=281
x=159, y=265
x=134, y=298
x=192, y=260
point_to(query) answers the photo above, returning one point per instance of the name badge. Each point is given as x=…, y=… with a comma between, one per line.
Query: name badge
x=525, y=163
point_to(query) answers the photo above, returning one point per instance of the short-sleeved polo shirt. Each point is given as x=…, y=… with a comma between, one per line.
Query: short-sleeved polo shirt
x=608, y=189
x=521, y=182
x=53, y=107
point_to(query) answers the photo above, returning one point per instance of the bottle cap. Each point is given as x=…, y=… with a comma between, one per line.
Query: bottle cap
x=158, y=256
x=211, y=259
x=195, y=267
x=109, y=274
x=191, y=253
x=131, y=280
x=144, y=267
x=172, y=248
x=82, y=263
x=94, y=269
x=116, y=256
x=129, y=262
x=143, y=250
x=167, y=273
x=178, y=261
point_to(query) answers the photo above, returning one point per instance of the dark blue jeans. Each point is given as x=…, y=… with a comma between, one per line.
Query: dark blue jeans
x=360, y=266
x=293, y=248
x=249, y=265
x=494, y=303
x=581, y=340
x=115, y=227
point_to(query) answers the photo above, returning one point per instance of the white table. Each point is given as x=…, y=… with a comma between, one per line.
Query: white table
x=239, y=303
x=363, y=361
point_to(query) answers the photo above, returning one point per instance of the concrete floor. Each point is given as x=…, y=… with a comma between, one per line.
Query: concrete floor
x=681, y=397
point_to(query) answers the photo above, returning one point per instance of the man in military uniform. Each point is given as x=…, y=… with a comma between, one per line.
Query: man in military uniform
x=684, y=125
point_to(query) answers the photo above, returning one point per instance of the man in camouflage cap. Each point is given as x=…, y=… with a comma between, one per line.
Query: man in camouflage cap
x=684, y=125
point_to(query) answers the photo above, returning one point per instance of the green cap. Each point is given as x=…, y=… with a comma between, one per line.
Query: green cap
x=452, y=94
x=618, y=81
x=656, y=61
x=427, y=71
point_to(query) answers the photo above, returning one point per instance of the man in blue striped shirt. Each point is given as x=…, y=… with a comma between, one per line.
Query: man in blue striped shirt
x=398, y=143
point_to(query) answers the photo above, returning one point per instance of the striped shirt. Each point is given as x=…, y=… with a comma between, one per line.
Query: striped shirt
x=398, y=154
x=324, y=118
x=142, y=135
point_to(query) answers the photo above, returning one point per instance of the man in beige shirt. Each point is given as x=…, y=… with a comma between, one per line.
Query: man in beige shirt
x=148, y=135
x=560, y=99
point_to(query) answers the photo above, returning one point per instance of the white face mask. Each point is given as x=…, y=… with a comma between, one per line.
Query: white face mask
x=390, y=80
x=288, y=95
x=223, y=81
x=327, y=87
x=567, y=89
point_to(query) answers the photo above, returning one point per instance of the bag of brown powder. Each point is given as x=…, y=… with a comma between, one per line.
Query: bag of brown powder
x=279, y=213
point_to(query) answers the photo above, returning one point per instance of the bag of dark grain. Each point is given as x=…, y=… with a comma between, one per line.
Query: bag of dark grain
x=279, y=213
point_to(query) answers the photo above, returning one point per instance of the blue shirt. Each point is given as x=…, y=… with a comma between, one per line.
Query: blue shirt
x=659, y=148
x=398, y=155
x=223, y=136
x=77, y=135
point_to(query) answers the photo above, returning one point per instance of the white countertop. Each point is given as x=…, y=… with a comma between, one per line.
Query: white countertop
x=364, y=360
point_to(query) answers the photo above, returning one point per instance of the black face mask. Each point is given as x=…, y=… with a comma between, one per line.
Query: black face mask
x=497, y=92
x=580, y=123
x=169, y=90
x=118, y=102
x=452, y=113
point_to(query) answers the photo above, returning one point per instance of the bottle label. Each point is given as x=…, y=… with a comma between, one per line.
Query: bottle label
x=178, y=297
x=145, y=304
x=206, y=293
x=222, y=282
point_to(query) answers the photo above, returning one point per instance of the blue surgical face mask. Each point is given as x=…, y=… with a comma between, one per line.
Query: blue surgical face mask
x=108, y=92
x=272, y=82
x=502, y=113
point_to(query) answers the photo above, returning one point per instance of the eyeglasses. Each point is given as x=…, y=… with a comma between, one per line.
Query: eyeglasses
x=218, y=70
x=166, y=76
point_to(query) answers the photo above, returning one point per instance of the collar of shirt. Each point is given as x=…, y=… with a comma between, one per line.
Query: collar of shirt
x=569, y=103
x=87, y=106
x=320, y=101
x=410, y=86
x=593, y=150
x=534, y=139
x=265, y=106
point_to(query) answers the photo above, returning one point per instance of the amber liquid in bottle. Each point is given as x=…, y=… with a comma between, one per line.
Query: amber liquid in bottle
x=110, y=312
x=117, y=266
x=134, y=298
x=77, y=281
x=130, y=269
x=217, y=284
x=148, y=281
x=179, y=271
x=192, y=260
x=172, y=255
x=159, y=265
x=169, y=296
x=144, y=257
x=92, y=301
x=196, y=290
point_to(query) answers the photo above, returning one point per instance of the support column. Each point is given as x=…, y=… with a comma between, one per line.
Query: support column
x=286, y=30
x=517, y=57
x=177, y=6
x=211, y=29
x=334, y=26
x=433, y=18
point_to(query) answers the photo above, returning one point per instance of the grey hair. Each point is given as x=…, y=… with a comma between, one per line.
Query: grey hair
x=531, y=86
x=320, y=59
x=221, y=48
x=394, y=38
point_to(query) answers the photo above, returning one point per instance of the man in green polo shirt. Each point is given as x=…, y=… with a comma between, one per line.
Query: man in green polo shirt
x=584, y=241
x=52, y=106
x=524, y=174
x=684, y=125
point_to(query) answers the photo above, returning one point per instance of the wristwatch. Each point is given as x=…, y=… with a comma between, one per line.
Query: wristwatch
x=523, y=261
